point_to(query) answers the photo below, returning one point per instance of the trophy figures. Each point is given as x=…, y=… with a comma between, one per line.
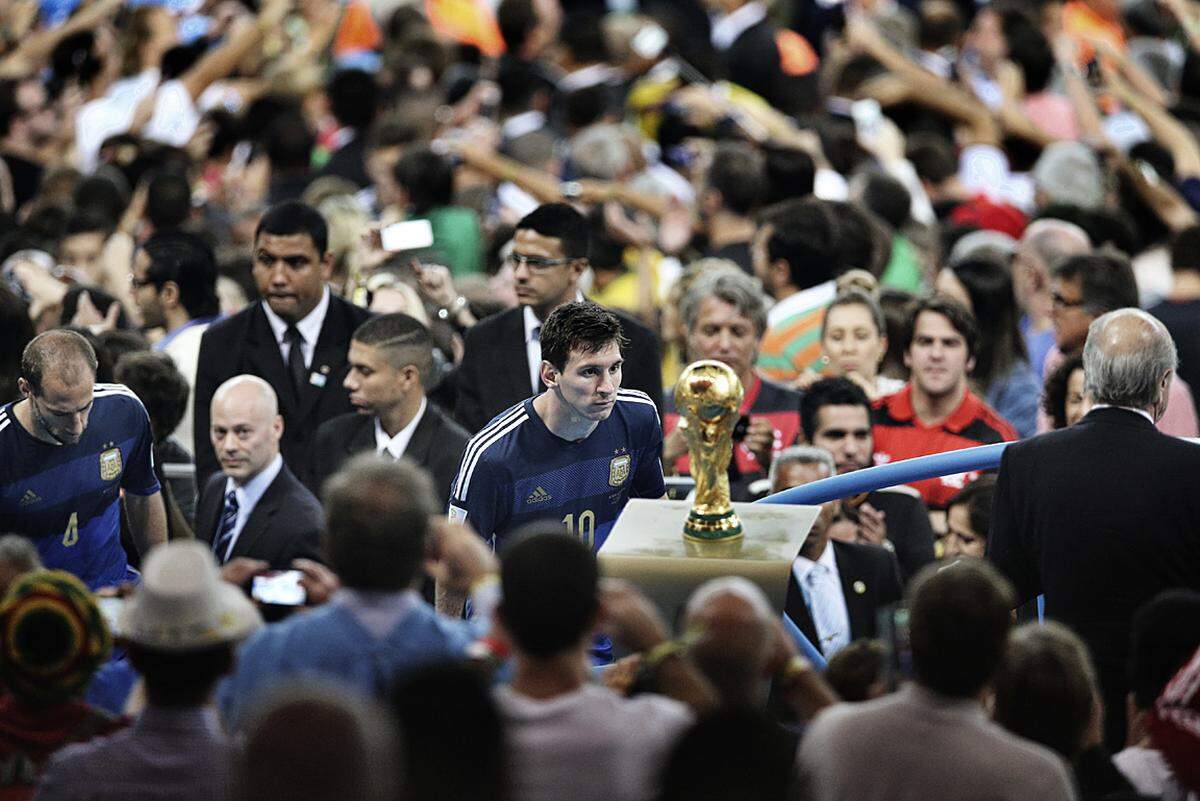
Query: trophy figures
x=708, y=396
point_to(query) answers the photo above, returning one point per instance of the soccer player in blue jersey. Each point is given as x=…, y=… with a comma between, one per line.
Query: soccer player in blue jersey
x=67, y=449
x=575, y=453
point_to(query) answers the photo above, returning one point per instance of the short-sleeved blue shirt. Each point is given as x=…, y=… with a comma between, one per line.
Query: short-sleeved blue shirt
x=66, y=498
x=515, y=471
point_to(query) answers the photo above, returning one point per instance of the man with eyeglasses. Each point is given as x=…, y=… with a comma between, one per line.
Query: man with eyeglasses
x=1082, y=289
x=503, y=354
x=69, y=451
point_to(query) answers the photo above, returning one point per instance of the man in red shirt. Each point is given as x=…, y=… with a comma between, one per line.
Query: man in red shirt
x=936, y=411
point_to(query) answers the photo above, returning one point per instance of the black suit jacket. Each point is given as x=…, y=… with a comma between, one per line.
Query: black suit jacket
x=754, y=61
x=437, y=444
x=1099, y=517
x=494, y=373
x=245, y=343
x=870, y=581
x=908, y=528
x=285, y=524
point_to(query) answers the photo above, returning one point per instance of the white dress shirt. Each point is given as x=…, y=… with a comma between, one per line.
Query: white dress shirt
x=727, y=29
x=397, y=445
x=248, y=495
x=836, y=636
x=1133, y=409
x=310, y=329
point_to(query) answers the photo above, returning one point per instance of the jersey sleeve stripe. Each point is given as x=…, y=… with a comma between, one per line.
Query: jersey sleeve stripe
x=489, y=428
x=639, y=397
x=468, y=469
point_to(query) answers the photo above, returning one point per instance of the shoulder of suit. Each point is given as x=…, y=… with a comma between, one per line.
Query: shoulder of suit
x=489, y=325
x=449, y=425
x=342, y=424
x=863, y=550
x=231, y=325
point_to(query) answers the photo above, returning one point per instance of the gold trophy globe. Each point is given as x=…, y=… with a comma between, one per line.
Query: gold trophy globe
x=708, y=396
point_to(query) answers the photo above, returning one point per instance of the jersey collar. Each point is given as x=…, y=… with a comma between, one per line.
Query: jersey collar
x=899, y=407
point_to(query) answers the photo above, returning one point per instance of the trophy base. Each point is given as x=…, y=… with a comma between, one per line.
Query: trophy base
x=712, y=528
x=645, y=548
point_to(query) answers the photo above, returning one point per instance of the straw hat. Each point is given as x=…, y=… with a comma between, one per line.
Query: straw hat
x=182, y=603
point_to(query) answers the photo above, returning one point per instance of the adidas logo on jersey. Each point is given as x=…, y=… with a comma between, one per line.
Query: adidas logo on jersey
x=30, y=497
x=538, y=496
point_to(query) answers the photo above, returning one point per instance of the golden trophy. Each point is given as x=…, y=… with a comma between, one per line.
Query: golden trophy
x=708, y=396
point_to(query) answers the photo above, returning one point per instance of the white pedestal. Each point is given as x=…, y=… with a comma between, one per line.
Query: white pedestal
x=646, y=547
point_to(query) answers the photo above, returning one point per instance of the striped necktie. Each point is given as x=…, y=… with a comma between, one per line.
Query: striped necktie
x=225, y=529
x=823, y=593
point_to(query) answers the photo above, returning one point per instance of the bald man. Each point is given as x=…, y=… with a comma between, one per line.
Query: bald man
x=70, y=449
x=1045, y=244
x=255, y=508
x=1103, y=515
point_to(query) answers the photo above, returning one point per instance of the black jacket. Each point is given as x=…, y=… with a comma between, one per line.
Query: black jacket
x=1099, y=517
x=245, y=343
x=908, y=528
x=285, y=524
x=494, y=373
x=870, y=581
x=437, y=444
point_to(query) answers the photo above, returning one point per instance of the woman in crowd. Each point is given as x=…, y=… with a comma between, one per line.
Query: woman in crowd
x=968, y=519
x=853, y=344
x=1062, y=396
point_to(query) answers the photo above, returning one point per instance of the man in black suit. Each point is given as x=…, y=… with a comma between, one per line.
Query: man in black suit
x=836, y=588
x=835, y=414
x=295, y=338
x=1103, y=515
x=255, y=508
x=502, y=360
x=391, y=363
x=777, y=64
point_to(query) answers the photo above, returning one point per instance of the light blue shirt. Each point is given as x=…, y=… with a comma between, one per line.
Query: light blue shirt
x=248, y=495
x=830, y=616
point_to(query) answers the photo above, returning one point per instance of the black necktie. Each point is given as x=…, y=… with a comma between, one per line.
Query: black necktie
x=295, y=363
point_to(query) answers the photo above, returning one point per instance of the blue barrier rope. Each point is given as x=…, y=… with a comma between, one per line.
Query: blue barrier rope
x=807, y=649
x=982, y=457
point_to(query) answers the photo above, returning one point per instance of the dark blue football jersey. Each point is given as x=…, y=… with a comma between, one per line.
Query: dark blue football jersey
x=66, y=498
x=515, y=471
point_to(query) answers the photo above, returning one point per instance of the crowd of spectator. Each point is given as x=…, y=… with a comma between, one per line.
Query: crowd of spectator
x=335, y=336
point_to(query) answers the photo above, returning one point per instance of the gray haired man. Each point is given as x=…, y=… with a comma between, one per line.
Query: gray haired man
x=1102, y=516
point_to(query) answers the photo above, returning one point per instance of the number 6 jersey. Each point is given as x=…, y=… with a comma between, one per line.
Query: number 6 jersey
x=66, y=497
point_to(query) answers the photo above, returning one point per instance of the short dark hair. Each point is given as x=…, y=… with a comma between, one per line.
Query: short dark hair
x=159, y=385
x=353, y=97
x=427, y=178
x=989, y=285
x=579, y=326
x=187, y=261
x=1106, y=281
x=804, y=233
x=289, y=142
x=836, y=391
x=854, y=669
x=88, y=221
x=738, y=173
x=1164, y=635
x=56, y=347
x=180, y=678
x=549, y=583
x=294, y=217
x=516, y=19
x=961, y=320
x=1054, y=391
x=405, y=340
x=377, y=516
x=977, y=497
x=960, y=616
x=791, y=173
x=561, y=222
x=168, y=200
x=888, y=198
x=1046, y=687
x=1185, y=250
x=734, y=752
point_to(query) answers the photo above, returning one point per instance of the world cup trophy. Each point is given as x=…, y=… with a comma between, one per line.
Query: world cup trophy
x=708, y=396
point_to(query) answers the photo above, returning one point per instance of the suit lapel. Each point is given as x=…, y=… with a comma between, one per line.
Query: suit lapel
x=262, y=351
x=210, y=513
x=795, y=607
x=513, y=343
x=854, y=590
x=362, y=438
x=328, y=357
x=260, y=518
x=421, y=444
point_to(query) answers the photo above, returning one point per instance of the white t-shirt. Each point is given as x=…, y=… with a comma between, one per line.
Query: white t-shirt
x=589, y=745
x=1150, y=774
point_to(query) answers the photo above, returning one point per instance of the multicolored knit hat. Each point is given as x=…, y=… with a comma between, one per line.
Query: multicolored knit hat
x=52, y=636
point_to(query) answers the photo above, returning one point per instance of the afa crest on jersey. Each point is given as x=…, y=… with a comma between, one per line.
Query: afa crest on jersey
x=618, y=470
x=110, y=464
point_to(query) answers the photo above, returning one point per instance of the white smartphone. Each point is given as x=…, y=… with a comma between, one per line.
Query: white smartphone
x=866, y=115
x=408, y=235
x=281, y=588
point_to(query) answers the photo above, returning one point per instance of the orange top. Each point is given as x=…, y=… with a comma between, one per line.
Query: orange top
x=467, y=22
